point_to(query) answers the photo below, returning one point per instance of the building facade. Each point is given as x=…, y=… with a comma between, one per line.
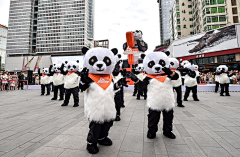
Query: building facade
x=3, y=45
x=164, y=13
x=181, y=21
x=50, y=26
x=207, y=15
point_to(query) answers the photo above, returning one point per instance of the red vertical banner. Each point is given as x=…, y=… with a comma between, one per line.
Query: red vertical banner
x=37, y=63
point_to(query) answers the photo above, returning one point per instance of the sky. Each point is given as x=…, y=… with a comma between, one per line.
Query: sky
x=113, y=18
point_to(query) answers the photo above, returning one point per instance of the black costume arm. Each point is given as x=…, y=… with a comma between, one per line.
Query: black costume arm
x=192, y=74
x=39, y=73
x=84, y=86
x=218, y=73
x=174, y=77
x=230, y=75
x=62, y=71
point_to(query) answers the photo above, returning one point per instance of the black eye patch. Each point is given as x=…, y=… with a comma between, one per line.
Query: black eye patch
x=162, y=63
x=92, y=60
x=107, y=61
x=172, y=63
x=151, y=64
x=74, y=66
x=69, y=67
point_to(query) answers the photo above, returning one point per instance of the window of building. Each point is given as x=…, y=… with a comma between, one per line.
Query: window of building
x=191, y=26
x=222, y=18
x=179, y=33
x=213, y=2
x=213, y=10
x=190, y=19
x=190, y=13
x=191, y=33
x=226, y=58
x=220, y=1
x=221, y=9
x=214, y=19
x=189, y=6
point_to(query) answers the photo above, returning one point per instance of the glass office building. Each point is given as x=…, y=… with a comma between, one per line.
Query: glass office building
x=165, y=7
x=50, y=26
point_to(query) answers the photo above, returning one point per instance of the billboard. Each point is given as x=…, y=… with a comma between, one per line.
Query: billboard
x=62, y=59
x=216, y=40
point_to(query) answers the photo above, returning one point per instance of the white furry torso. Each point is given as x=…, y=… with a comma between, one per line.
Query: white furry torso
x=223, y=78
x=178, y=82
x=45, y=80
x=51, y=78
x=99, y=104
x=160, y=95
x=71, y=81
x=141, y=76
x=116, y=79
x=189, y=81
x=58, y=79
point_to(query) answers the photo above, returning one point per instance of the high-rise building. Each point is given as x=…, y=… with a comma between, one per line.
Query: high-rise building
x=164, y=13
x=206, y=15
x=50, y=26
x=181, y=21
x=3, y=45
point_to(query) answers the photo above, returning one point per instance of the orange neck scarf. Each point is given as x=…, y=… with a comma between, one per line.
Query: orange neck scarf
x=71, y=72
x=102, y=80
x=43, y=75
x=57, y=73
x=173, y=69
x=160, y=78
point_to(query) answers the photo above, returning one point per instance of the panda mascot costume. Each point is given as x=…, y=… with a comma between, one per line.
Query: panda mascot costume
x=197, y=73
x=117, y=76
x=45, y=80
x=183, y=70
x=71, y=82
x=58, y=81
x=190, y=82
x=177, y=84
x=140, y=90
x=223, y=76
x=99, y=106
x=160, y=97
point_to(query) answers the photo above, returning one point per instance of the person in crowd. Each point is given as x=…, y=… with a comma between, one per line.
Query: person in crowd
x=20, y=80
x=13, y=81
x=203, y=78
x=1, y=80
x=231, y=78
x=37, y=80
x=210, y=79
x=206, y=78
x=9, y=78
x=4, y=81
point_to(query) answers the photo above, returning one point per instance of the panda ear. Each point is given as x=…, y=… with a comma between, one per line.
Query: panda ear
x=77, y=61
x=84, y=50
x=143, y=56
x=167, y=53
x=119, y=56
x=66, y=62
x=115, y=51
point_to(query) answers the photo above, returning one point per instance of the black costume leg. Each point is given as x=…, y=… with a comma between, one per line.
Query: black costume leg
x=227, y=89
x=216, y=87
x=42, y=89
x=75, y=92
x=55, y=94
x=117, y=99
x=179, y=94
x=182, y=81
x=94, y=132
x=187, y=93
x=135, y=90
x=122, y=96
x=61, y=88
x=153, y=119
x=48, y=89
x=139, y=93
x=222, y=89
x=105, y=129
x=167, y=120
x=67, y=96
x=194, y=91
x=21, y=84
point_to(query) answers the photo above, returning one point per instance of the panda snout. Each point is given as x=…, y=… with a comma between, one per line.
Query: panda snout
x=99, y=65
x=157, y=68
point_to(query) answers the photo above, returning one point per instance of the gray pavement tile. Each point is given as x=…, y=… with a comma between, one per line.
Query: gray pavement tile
x=148, y=149
x=57, y=140
x=17, y=150
x=7, y=134
x=159, y=146
x=231, y=138
x=178, y=150
x=110, y=150
x=135, y=127
x=190, y=125
x=188, y=114
x=73, y=142
x=214, y=126
x=117, y=132
x=133, y=142
x=47, y=152
x=215, y=152
x=223, y=122
x=210, y=132
x=236, y=130
x=182, y=130
x=75, y=153
x=193, y=146
x=228, y=147
x=129, y=154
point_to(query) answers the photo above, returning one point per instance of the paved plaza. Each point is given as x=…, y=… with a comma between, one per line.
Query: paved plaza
x=32, y=125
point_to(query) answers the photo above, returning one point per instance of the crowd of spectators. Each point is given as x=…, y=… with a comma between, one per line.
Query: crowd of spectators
x=209, y=77
x=15, y=81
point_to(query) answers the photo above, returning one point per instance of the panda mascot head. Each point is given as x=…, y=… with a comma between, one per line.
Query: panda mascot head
x=154, y=62
x=189, y=66
x=56, y=68
x=195, y=67
x=45, y=70
x=185, y=62
x=119, y=62
x=137, y=35
x=140, y=68
x=222, y=68
x=174, y=63
x=99, y=60
x=72, y=66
